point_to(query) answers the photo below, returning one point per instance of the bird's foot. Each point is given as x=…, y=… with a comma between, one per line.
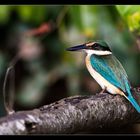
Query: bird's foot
x=103, y=90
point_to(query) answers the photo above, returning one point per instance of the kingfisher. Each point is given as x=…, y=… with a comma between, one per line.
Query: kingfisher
x=106, y=69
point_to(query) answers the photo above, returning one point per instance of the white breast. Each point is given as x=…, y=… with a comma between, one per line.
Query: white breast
x=89, y=52
x=101, y=80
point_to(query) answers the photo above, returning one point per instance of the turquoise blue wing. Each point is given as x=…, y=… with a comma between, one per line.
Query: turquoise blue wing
x=111, y=69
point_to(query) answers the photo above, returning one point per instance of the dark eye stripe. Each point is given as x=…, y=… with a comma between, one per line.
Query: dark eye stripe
x=97, y=46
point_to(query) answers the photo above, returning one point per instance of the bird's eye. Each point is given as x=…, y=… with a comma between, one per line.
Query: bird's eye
x=96, y=46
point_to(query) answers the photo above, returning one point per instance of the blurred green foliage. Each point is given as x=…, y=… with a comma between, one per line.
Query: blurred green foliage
x=45, y=72
x=131, y=15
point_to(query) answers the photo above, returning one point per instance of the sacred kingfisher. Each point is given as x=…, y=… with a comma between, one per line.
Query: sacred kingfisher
x=106, y=69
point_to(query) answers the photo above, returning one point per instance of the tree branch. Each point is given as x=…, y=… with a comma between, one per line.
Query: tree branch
x=72, y=115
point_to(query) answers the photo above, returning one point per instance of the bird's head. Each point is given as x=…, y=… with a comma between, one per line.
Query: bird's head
x=97, y=48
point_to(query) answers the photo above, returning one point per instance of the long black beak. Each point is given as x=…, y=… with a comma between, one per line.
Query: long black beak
x=76, y=48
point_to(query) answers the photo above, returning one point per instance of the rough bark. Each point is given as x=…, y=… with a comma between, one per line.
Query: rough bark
x=72, y=115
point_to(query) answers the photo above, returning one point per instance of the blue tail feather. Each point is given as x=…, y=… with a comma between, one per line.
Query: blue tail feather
x=130, y=97
x=134, y=103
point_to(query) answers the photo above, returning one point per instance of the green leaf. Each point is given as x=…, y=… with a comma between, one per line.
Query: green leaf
x=36, y=14
x=75, y=13
x=131, y=15
x=128, y=9
x=85, y=19
x=39, y=14
x=25, y=12
x=4, y=13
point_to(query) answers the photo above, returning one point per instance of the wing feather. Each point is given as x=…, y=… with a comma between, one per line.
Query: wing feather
x=112, y=70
